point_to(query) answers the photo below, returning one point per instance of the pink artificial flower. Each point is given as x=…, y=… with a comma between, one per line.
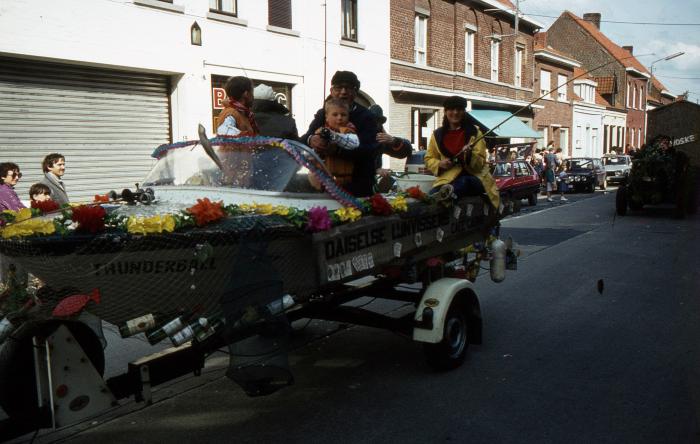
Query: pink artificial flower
x=319, y=220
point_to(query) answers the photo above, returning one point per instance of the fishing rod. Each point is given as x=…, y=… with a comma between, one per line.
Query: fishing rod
x=468, y=146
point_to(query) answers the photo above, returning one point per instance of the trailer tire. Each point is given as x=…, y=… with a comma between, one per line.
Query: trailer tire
x=18, y=396
x=451, y=351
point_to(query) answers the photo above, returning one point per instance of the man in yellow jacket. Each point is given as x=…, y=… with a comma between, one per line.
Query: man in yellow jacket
x=458, y=156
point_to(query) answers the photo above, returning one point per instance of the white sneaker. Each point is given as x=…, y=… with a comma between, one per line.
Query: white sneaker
x=564, y=199
x=549, y=199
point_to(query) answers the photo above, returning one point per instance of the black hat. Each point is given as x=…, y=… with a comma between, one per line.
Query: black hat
x=345, y=78
x=455, y=102
x=378, y=114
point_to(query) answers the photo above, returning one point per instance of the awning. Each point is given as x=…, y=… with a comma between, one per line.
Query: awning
x=514, y=127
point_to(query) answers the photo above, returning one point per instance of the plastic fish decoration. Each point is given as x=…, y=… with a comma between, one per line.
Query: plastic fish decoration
x=74, y=304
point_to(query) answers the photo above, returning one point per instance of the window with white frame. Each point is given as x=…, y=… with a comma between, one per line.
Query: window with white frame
x=519, y=52
x=629, y=93
x=561, y=87
x=564, y=139
x=495, y=58
x=469, y=36
x=545, y=83
x=349, y=15
x=421, y=39
x=634, y=97
x=587, y=140
x=641, y=97
x=223, y=7
x=578, y=136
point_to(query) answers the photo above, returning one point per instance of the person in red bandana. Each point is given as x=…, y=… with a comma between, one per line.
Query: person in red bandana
x=237, y=118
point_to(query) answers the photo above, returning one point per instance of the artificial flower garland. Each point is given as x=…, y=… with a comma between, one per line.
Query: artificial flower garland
x=94, y=219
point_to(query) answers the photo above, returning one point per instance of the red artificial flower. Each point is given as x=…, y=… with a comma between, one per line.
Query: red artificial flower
x=101, y=198
x=45, y=206
x=415, y=192
x=206, y=211
x=380, y=206
x=90, y=218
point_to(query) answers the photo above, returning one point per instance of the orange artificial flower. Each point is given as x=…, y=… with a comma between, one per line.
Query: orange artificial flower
x=101, y=198
x=206, y=211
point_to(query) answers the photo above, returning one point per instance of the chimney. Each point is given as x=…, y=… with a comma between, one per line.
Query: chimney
x=593, y=17
x=629, y=48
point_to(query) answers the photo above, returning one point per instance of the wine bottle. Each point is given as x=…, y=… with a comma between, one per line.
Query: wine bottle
x=199, y=330
x=168, y=329
x=142, y=324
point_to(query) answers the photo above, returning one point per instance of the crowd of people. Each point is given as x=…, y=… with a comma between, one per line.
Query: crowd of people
x=49, y=188
x=351, y=138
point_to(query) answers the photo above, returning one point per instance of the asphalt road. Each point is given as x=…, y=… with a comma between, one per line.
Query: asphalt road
x=560, y=362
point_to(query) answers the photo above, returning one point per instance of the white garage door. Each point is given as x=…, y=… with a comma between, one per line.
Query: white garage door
x=106, y=123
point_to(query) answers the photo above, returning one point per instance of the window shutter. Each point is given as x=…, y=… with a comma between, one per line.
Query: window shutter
x=280, y=13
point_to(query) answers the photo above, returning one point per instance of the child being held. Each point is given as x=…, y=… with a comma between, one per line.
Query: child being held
x=40, y=197
x=340, y=134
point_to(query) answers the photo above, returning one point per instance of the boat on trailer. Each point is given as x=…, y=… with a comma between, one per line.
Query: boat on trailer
x=281, y=251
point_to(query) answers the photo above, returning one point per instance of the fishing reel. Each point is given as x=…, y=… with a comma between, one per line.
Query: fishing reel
x=145, y=196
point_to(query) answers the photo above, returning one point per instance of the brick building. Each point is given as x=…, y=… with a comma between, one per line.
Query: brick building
x=658, y=95
x=622, y=79
x=468, y=48
x=552, y=70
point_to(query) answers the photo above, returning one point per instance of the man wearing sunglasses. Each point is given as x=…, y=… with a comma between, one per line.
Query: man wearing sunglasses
x=345, y=86
x=54, y=166
x=9, y=175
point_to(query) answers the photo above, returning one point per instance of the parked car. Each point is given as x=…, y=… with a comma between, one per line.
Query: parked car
x=585, y=173
x=517, y=180
x=617, y=167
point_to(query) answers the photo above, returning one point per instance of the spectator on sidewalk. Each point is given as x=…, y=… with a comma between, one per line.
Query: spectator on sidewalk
x=9, y=175
x=54, y=167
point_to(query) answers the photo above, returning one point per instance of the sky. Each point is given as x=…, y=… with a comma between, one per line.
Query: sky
x=678, y=75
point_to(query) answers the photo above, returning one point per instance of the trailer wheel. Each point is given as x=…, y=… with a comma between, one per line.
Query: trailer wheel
x=449, y=353
x=621, y=200
x=18, y=395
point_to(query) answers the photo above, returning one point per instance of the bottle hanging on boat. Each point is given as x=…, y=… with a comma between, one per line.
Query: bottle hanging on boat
x=169, y=329
x=199, y=330
x=143, y=323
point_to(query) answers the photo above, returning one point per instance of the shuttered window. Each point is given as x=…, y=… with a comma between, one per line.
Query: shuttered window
x=105, y=122
x=280, y=13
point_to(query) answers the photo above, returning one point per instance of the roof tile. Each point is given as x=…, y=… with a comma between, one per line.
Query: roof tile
x=622, y=55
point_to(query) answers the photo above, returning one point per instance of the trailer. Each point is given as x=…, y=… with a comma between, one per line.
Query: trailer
x=237, y=280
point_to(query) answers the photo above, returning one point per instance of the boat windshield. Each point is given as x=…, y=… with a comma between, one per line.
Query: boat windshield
x=265, y=167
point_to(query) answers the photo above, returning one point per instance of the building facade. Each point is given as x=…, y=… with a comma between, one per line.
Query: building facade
x=467, y=48
x=621, y=78
x=106, y=92
x=554, y=72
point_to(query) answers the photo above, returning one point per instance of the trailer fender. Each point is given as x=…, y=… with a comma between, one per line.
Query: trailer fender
x=438, y=299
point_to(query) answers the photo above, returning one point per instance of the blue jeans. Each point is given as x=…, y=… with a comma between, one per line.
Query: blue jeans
x=465, y=185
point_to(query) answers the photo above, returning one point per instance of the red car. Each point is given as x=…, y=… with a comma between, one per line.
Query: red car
x=517, y=180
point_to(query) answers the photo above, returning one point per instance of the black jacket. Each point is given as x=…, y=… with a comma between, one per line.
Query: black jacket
x=363, y=157
x=273, y=121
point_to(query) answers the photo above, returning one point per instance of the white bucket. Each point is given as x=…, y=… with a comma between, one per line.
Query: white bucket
x=423, y=181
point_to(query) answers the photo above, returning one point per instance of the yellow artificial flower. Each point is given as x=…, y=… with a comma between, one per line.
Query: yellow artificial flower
x=399, y=204
x=348, y=214
x=246, y=208
x=264, y=209
x=23, y=214
x=281, y=210
x=28, y=228
x=150, y=225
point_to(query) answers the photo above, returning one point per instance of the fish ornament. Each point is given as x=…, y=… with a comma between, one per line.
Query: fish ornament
x=74, y=304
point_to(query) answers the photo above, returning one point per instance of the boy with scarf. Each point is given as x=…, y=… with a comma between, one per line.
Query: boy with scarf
x=237, y=118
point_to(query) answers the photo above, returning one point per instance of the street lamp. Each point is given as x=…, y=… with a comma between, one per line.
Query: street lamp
x=669, y=57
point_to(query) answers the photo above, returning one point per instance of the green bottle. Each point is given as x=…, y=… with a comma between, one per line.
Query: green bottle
x=168, y=329
x=201, y=329
x=142, y=324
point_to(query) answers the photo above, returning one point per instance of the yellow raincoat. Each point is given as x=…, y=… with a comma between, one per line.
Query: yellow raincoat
x=478, y=166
